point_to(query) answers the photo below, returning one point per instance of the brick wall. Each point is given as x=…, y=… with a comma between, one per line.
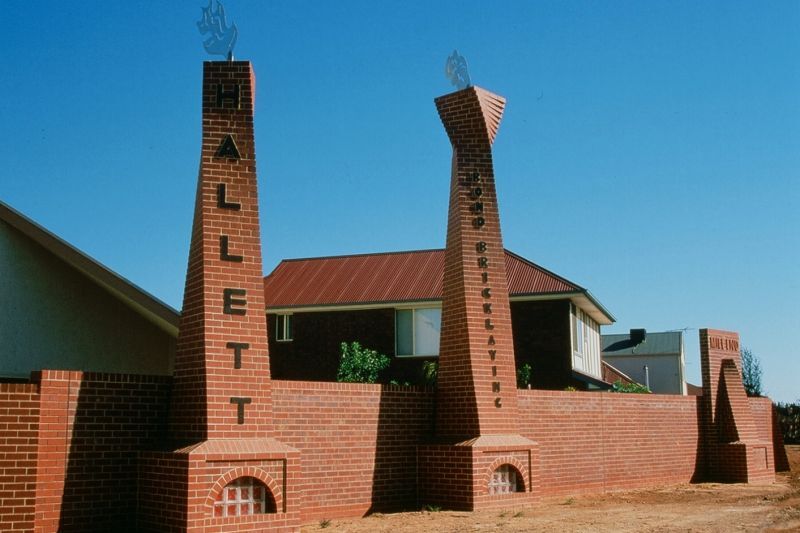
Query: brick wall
x=593, y=442
x=357, y=443
x=92, y=429
x=769, y=430
x=19, y=427
x=313, y=354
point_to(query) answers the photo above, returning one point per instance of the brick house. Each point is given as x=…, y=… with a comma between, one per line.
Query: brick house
x=391, y=302
x=654, y=359
x=368, y=298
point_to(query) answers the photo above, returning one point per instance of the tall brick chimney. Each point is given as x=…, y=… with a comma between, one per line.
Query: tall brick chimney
x=227, y=472
x=478, y=458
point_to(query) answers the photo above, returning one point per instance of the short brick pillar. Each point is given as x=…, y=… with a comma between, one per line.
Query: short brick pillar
x=478, y=458
x=221, y=413
x=734, y=450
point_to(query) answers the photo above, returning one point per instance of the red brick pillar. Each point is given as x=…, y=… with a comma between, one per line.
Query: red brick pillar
x=58, y=392
x=477, y=383
x=476, y=414
x=734, y=450
x=221, y=413
x=222, y=385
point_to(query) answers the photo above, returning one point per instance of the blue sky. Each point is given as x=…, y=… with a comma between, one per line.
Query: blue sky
x=650, y=151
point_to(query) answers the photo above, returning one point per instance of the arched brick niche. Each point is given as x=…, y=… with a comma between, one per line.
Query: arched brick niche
x=506, y=476
x=243, y=492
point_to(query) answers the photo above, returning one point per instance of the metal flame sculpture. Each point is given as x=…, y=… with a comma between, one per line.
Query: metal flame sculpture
x=456, y=71
x=223, y=37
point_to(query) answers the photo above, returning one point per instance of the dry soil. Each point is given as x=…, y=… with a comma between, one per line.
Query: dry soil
x=703, y=507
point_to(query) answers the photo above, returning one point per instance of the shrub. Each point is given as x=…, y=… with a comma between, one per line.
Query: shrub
x=524, y=376
x=634, y=388
x=360, y=365
x=789, y=419
x=430, y=372
x=751, y=373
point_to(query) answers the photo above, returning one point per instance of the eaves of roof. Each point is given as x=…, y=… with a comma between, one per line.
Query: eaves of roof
x=144, y=303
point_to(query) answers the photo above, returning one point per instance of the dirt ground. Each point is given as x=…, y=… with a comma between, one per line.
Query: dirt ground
x=705, y=507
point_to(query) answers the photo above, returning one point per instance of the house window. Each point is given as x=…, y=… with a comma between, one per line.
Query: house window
x=283, y=328
x=585, y=342
x=417, y=331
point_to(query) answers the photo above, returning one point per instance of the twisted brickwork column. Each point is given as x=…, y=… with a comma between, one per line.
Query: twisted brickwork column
x=477, y=382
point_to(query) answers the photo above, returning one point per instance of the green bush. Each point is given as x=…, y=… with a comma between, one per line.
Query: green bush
x=635, y=388
x=789, y=419
x=430, y=372
x=360, y=365
x=524, y=376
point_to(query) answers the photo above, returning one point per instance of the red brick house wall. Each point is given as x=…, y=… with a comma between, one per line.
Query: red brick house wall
x=542, y=339
x=19, y=428
x=313, y=354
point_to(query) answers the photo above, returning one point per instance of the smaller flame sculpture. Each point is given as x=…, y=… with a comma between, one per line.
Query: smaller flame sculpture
x=456, y=71
x=223, y=37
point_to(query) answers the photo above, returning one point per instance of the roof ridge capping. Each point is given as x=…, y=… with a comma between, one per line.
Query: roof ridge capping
x=347, y=256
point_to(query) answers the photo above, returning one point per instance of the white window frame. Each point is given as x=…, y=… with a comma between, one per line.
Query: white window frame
x=585, y=342
x=286, y=332
x=414, y=330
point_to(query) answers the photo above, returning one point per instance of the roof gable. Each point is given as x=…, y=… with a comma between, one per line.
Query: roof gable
x=144, y=303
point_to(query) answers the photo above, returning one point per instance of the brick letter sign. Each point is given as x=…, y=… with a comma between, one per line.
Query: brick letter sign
x=223, y=301
x=736, y=451
x=477, y=380
x=477, y=437
x=221, y=414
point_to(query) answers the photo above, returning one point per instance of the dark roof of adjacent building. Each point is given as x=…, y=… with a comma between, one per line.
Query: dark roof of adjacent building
x=144, y=303
x=403, y=277
x=660, y=343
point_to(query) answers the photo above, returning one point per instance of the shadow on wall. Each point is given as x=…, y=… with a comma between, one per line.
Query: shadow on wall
x=115, y=417
x=701, y=472
x=781, y=459
x=405, y=420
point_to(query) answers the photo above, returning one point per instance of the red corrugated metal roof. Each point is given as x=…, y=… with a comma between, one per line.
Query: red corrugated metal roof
x=388, y=277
